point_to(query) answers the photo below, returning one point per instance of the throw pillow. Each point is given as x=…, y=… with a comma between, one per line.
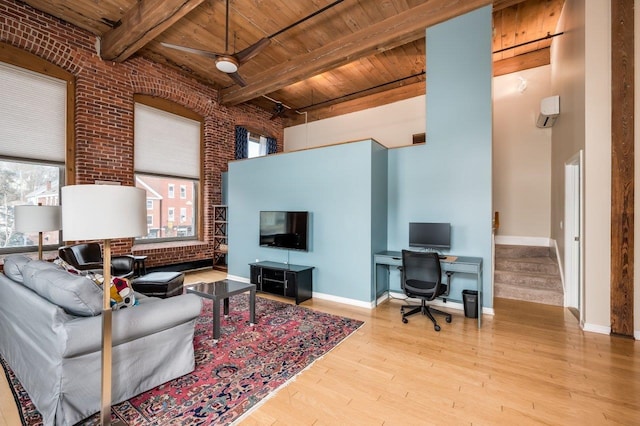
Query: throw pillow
x=13, y=267
x=75, y=294
x=121, y=292
x=67, y=267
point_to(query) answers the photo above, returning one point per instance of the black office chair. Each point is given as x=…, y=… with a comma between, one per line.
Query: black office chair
x=422, y=278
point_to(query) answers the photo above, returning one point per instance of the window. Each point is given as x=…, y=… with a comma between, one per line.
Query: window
x=33, y=135
x=149, y=204
x=256, y=146
x=167, y=141
x=27, y=183
x=149, y=220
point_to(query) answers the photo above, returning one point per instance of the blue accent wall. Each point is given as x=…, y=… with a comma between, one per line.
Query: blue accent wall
x=449, y=178
x=334, y=185
x=362, y=196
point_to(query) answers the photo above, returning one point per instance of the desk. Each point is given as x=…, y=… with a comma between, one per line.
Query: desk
x=463, y=264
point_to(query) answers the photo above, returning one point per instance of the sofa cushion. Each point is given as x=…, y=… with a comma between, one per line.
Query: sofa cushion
x=13, y=265
x=75, y=294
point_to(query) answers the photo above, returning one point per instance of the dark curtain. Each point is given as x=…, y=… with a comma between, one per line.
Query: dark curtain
x=242, y=137
x=272, y=146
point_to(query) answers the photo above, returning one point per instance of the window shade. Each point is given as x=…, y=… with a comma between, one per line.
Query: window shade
x=165, y=143
x=33, y=110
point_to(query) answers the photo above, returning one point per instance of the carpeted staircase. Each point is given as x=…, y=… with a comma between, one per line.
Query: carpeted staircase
x=527, y=273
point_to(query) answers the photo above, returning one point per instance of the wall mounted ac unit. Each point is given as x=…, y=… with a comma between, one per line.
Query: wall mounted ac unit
x=549, y=111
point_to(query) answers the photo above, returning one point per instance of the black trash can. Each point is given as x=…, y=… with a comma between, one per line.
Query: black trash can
x=470, y=301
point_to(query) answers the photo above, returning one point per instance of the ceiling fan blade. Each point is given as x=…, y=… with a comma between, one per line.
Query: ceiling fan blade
x=251, y=51
x=237, y=78
x=206, y=53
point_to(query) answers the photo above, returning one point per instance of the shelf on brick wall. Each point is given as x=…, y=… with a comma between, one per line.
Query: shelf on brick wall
x=220, y=237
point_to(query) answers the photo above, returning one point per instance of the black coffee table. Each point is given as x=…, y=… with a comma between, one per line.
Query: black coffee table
x=222, y=290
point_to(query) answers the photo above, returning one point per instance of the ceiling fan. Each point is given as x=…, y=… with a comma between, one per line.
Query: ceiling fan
x=228, y=62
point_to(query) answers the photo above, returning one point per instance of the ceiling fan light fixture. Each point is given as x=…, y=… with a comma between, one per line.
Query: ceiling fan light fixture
x=227, y=64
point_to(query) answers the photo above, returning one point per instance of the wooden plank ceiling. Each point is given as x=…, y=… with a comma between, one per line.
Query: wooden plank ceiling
x=347, y=55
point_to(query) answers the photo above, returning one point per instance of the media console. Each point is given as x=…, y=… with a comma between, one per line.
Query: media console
x=294, y=281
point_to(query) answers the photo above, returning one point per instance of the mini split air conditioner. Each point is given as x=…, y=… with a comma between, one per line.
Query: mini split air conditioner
x=549, y=111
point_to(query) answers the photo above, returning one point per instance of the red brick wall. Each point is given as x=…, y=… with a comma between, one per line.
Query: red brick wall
x=104, y=114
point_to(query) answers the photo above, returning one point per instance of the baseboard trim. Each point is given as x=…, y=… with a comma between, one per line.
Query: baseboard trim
x=321, y=296
x=453, y=305
x=594, y=328
x=237, y=278
x=343, y=300
x=182, y=267
x=513, y=240
x=372, y=305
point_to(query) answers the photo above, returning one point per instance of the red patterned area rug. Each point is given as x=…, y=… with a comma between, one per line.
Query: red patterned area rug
x=232, y=376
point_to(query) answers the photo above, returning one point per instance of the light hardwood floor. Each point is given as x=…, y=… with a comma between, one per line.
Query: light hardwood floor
x=529, y=364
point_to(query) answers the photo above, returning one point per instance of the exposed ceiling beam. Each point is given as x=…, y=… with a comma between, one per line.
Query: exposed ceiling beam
x=503, y=4
x=537, y=58
x=358, y=104
x=141, y=24
x=392, y=32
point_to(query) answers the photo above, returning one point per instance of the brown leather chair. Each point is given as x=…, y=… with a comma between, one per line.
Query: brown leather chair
x=88, y=257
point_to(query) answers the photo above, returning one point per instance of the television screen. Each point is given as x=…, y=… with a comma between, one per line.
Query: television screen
x=282, y=229
x=430, y=235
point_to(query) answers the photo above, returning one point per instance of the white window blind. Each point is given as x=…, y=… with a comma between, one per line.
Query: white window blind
x=33, y=109
x=166, y=143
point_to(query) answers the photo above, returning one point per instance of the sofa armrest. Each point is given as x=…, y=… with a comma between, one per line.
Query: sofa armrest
x=84, y=335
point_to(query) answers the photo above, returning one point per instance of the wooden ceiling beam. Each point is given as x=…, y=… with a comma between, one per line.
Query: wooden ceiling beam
x=503, y=4
x=392, y=32
x=537, y=58
x=359, y=104
x=141, y=24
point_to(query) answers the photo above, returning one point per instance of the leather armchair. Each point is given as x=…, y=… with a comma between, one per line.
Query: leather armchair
x=88, y=257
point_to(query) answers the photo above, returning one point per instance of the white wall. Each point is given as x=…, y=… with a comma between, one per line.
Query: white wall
x=521, y=154
x=391, y=125
x=581, y=74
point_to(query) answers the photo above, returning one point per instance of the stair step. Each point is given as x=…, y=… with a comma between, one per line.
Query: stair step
x=544, y=265
x=537, y=295
x=528, y=280
x=515, y=251
x=527, y=273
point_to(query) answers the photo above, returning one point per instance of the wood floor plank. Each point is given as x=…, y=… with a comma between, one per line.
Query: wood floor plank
x=530, y=364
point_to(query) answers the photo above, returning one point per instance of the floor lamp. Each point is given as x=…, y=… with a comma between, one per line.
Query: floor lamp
x=104, y=212
x=29, y=218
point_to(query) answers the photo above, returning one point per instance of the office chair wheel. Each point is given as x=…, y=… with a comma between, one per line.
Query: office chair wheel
x=448, y=319
x=436, y=327
x=404, y=320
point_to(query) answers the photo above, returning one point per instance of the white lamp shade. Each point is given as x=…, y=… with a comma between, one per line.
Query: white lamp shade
x=37, y=218
x=101, y=212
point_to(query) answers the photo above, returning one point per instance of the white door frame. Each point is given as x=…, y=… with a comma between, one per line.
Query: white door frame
x=573, y=233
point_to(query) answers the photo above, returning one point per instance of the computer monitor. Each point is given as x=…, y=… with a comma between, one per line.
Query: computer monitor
x=436, y=236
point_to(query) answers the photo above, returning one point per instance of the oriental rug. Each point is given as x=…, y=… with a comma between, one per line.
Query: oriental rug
x=231, y=376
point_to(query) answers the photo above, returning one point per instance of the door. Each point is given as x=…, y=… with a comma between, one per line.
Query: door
x=573, y=247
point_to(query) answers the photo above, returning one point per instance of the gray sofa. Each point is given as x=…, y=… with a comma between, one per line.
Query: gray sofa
x=50, y=335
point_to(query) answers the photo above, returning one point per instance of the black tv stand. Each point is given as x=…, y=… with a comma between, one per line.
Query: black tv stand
x=282, y=279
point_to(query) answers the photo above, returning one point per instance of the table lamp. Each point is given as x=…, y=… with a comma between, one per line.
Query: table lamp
x=104, y=212
x=29, y=218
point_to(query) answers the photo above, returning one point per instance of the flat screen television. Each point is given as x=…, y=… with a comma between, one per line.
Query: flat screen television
x=436, y=236
x=285, y=230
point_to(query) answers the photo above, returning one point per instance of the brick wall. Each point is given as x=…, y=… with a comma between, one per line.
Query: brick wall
x=104, y=114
